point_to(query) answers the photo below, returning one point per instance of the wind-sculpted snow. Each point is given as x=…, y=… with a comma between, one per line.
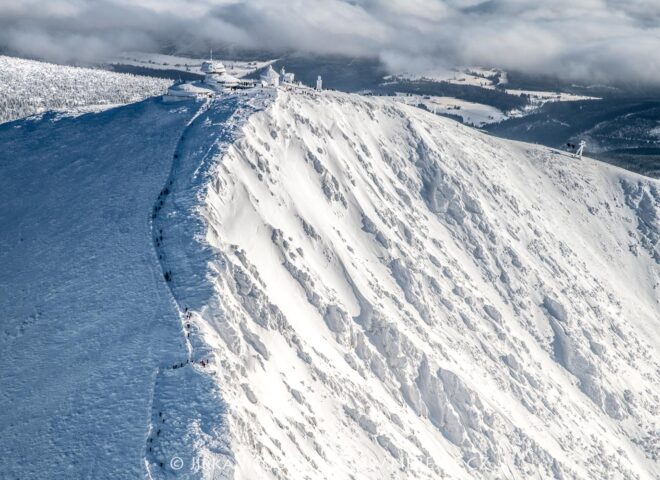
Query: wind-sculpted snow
x=645, y=200
x=28, y=87
x=300, y=285
x=398, y=296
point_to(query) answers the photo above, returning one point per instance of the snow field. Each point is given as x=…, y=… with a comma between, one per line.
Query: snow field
x=87, y=318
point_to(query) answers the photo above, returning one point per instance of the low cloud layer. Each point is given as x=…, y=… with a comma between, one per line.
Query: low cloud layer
x=598, y=41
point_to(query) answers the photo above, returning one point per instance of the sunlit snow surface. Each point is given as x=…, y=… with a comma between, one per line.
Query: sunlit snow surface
x=380, y=293
x=400, y=296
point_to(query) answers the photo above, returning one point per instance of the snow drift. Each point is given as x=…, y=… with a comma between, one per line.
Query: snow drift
x=354, y=288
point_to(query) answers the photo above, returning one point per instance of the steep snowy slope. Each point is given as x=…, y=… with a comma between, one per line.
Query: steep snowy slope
x=398, y=296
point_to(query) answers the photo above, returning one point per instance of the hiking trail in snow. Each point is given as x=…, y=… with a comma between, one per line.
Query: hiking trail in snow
x=192, y=433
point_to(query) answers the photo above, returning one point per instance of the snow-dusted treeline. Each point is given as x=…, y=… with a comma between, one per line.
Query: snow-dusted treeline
x=29, y=87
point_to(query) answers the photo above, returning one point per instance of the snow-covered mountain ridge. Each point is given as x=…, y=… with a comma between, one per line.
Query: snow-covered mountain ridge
x=358, y=289
x=398, y=296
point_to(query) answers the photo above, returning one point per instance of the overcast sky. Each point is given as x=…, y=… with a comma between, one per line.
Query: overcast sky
x=598, y=41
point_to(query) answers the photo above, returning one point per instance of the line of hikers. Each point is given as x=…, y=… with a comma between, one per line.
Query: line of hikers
x=188, y=315
x=204, y=362
x=159, y=238
x=180, y=365
x=151, y=439
x=161, y=199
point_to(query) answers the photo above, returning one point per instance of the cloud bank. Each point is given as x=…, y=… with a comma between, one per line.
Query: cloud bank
x=598, y=41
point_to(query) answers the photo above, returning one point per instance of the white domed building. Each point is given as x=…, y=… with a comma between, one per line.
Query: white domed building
x=216, y=74
x=180, y=92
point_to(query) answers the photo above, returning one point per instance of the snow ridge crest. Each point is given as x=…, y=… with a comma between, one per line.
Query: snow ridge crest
x=393, y=294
